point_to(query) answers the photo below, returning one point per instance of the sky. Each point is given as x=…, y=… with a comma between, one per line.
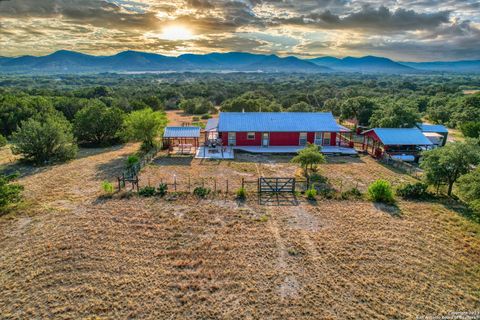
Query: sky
x=404, y=30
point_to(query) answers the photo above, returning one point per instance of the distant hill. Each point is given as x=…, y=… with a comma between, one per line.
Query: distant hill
x=368, y=64
x=64, y=61
x=70, y=61
x=446, y=66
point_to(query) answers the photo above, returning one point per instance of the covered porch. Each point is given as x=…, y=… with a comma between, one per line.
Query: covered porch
x=181, y=140
x=295, y=149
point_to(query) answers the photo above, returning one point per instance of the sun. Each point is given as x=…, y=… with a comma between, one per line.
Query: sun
x=176, y=32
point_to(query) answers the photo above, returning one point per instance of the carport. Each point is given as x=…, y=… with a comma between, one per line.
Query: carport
x=181, y=140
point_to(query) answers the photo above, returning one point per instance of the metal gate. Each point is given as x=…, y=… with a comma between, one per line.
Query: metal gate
x=277, y=191
x=276, y=185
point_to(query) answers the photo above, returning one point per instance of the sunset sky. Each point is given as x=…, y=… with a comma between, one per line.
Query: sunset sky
x=407, y=30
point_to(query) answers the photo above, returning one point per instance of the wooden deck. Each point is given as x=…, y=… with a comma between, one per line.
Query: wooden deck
x=295, y=149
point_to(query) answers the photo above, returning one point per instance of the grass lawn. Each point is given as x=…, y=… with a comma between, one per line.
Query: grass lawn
x=71, y=254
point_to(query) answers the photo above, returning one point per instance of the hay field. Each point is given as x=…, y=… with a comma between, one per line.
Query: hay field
x=72, y=255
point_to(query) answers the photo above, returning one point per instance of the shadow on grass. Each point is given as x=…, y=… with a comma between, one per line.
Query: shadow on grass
x=173, y=160
x=391, y=209
x=278, y=199
x=460, y=208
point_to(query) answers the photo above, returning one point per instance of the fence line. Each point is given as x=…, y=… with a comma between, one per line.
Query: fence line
x=130, y=175
x=402, y=165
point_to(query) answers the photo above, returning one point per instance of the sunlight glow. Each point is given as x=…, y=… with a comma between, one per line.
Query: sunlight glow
x=176, y=32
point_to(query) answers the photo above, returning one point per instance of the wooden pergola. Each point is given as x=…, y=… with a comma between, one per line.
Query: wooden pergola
x=183, y=139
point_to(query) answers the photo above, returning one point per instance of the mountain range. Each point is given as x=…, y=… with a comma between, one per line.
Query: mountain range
x=64, y=61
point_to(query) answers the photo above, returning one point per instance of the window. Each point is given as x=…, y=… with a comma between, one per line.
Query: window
x=232, y=138
x=250, y=135
x=327, y=138
x=303, y=139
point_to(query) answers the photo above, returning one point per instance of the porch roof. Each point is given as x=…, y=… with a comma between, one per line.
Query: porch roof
x=182, y=132
x=401, y=136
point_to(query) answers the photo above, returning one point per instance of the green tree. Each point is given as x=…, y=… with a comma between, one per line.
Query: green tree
x=358, y=108
x=308, y=158
x=301, y=107
x=3, y=141
x=98, y=124
x=471, y=129
x=144, y=125
x=445, y=165
x=469, y=188
x=45, y=139
x=393, y=115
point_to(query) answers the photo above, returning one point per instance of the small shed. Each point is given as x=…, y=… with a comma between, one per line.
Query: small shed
x=405, y=143
x=181, y=139
x=436, y=133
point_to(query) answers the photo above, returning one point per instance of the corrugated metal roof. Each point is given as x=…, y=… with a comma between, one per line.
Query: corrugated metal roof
x=402, y=136
x=425, y=127
x=212, y=124
x=278, y=122
x=182, y=132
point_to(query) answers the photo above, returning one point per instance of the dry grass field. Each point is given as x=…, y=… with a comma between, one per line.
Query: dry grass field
x=70, y=254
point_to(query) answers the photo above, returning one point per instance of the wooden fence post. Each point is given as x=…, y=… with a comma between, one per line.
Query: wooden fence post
x=227, y=188
x=243, y=183
x=188, y=184
x=215, y=185
x=175, y=183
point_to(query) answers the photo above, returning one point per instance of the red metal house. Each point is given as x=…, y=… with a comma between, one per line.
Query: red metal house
x=276, y=129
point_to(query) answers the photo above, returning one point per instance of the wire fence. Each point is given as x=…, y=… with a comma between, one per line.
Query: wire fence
x=130, y=174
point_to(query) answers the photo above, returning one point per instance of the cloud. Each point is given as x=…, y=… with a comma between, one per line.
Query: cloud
x=378, y=20
x=407, y=29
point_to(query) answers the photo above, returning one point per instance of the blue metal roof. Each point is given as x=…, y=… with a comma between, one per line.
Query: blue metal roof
x=182, y=132
x=212, y=124
x=278, y=122
x=438, y=128
x=401, y=136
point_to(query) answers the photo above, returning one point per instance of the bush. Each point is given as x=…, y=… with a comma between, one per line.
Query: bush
x=9, y=192
x=353, y=193
x=201, y=192
x=98, y=124
x=206, y=116
x=241, y=194
x=311, y=194
x=3, y=141
x=327, y=193
x=195, y=119
x=45, y=139
x=162, y=189
x=316, y=178
x=381, y=191
x=107, y=187
x=147, y=191
x=413, y=190
x=132, y=160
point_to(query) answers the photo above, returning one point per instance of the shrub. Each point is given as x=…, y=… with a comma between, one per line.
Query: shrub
x=9, y=192
x=147, y=191
x=308, y=158
x=381, y=191
x=206, y=116
x=195, y=119
x=132, y=160
x=98, y=124
x=162, y=189
x=353, y=193
x=45, y=139
x=201, y=192
x=317, y=178
x=107, y=187
x=3, y=141
x=327, y=193
x=413, y=190
x=311, y=194
x=241, y=194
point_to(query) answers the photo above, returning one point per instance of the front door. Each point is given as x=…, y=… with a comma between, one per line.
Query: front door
x=265, y=139
x=318, y=138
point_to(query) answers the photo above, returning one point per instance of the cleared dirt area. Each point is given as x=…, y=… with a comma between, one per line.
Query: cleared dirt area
x=73, y=255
